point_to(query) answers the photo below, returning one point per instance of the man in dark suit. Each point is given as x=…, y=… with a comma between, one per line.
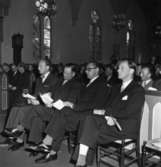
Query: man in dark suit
x=20, y=101
x=111, y=75
x=119, y=119
x=13, y=85
x=67, y=89
x=45, y=84
x=92, y=96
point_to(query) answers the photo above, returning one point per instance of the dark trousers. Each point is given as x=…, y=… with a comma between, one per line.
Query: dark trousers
x=94, y=131
x=17, y=115
x=66, y=120
x=100, y=132
x=36, y=122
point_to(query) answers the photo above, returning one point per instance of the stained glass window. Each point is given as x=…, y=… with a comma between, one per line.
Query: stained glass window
x=36, y=37
x=47, y=36
x=42, y=40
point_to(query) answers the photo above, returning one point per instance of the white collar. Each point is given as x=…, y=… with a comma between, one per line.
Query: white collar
x=45, y=76
x=126, y=83
x=147, y=81
x=92, y=80
x=64, y=82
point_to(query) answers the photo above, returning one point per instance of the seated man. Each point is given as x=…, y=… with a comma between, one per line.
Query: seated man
x=68, y=89
x=120, y=118
x=23, y=86
x=46, y=83
x=92, y=96
x=111, y=75
x=146, y=77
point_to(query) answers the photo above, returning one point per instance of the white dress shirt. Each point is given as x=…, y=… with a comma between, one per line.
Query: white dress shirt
x=64, y=82
x=144, y=83
x=125, y=84
x=92, y=80
x=44, y=77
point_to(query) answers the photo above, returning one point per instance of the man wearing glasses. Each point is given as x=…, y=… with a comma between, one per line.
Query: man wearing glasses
x=92, y=96
x=120, y=117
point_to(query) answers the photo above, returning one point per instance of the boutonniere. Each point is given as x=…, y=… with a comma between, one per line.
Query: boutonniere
x=125, y=97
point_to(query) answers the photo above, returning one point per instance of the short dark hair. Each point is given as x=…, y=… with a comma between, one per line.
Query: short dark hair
x=96, y=64
x=72, y=66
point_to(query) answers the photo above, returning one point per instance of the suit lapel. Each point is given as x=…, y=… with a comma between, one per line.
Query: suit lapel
x=127, y=88
x=91, y=84
x=118, y=98
x=47, y=79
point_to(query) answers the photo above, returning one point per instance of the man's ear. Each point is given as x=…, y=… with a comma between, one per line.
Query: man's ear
x=73, y=74
x=132, y=71
x=48, y=67
x=149, y=75
x=97, y=70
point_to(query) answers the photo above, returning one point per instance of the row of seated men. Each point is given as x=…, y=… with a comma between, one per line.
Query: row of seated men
x=147, y=75
x=93, y=110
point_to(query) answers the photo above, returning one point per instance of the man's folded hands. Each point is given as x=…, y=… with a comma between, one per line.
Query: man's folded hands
x=110, y=120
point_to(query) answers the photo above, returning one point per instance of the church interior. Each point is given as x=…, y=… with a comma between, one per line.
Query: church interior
x=61, y=62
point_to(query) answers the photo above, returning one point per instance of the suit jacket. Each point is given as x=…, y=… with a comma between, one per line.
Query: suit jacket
x=14, y=94
x=49, y=85
x=22, y=84
x=126, y=107
x=157, y=84
x=24, y=81
x=93, y=96
x=14, y=79
x=68, y=92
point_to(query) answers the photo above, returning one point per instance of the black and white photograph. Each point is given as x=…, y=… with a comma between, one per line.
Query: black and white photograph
x=80, y=83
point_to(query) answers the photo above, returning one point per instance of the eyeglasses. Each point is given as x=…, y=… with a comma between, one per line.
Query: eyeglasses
x=89, y=69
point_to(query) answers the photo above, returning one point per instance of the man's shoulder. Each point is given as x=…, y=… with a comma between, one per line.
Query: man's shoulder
x=53, y=78
x=100, y=80
x=137, y=86
x=75, y=83
x=136, y=89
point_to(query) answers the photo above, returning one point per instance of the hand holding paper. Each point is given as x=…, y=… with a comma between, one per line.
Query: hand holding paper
x=59, y=104
x=152, y=89
x=112, y=121
x=68, y=104
x=34, y=102
x=46, y=98
x=28, y=96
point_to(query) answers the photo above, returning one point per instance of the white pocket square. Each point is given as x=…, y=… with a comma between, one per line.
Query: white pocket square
x=125, y=97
